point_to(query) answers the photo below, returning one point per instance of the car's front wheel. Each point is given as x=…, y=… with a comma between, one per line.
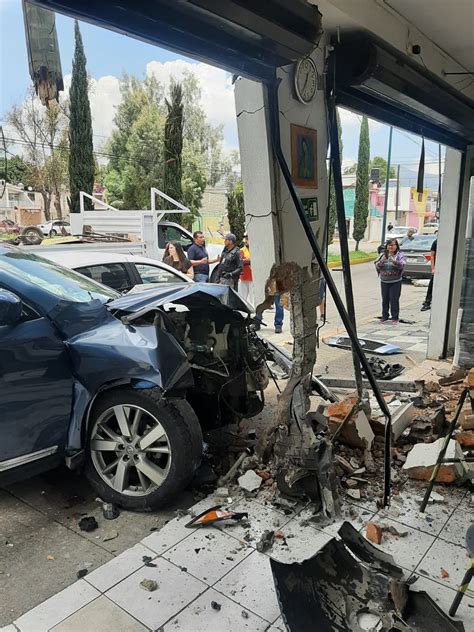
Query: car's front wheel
x=142, y=449
x=53, y=233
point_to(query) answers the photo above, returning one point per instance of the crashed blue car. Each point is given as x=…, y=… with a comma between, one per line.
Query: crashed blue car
x=119, y=385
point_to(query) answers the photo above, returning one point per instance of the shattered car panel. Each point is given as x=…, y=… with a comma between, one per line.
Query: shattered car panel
x=333, y=591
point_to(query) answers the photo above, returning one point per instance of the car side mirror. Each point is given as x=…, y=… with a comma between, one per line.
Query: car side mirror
x=11, y=308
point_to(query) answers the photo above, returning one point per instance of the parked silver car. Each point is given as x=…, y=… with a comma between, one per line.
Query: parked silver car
x=418, y=257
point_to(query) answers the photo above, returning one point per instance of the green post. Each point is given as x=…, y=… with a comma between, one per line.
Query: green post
x=387, y=184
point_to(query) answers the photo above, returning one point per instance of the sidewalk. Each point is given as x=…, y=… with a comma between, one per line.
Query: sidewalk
x=214, y=580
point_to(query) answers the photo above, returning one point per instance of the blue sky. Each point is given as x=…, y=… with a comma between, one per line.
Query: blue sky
x=110, y=54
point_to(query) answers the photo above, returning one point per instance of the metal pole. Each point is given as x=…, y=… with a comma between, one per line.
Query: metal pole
x=275, y=137
x=387, y=183
x=397, y=199
x=343, y=243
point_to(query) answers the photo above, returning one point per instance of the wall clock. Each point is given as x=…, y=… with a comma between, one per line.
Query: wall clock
x=305, y=78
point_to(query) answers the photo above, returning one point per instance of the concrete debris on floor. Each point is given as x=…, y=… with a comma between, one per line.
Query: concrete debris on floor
x=288, y=512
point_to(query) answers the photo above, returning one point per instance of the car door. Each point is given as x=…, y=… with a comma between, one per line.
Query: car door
x=36, y=392
x=114, y=275
x=155, y=274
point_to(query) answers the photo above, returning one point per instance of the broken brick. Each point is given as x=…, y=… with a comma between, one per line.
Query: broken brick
x=443, y=573
x=340, y=410
x=423, y=456
x=373, y=532
x=466, y=439
x=467, y=421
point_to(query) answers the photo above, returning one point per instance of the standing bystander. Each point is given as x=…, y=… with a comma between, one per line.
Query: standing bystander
x=198, y=255
x=230, y=264
x=246, y=279
x=389, y=266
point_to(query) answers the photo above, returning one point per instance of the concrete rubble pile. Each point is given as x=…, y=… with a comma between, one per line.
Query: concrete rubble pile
x=334, y=451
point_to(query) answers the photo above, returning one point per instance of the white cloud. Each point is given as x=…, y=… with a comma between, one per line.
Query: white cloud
x=352, y=119
x=217, y=91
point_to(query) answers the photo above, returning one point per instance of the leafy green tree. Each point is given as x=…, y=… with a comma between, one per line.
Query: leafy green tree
x=332, y=193
x=361, y=204
x=16, y=169
x=81, y=156
x=378, y=162
x=137, y=145
x=236, y=211
x=173, y=146
x=41, y=131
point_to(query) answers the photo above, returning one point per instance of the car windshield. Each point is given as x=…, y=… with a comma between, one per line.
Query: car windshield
x=419, y=242
x=61, y=282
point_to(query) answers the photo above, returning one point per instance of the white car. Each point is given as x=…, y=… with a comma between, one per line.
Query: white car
x=431, y=228
x=55, y=227
x=118, y=271
x=399, y=232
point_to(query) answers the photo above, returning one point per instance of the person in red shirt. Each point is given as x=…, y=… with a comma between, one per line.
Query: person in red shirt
x=246, y=279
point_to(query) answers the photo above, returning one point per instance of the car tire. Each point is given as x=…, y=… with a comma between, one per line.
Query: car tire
x=52, y=233
x=32, y=236
x=119, y=472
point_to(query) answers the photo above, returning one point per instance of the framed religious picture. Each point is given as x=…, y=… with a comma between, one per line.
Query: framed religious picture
x=304, y=166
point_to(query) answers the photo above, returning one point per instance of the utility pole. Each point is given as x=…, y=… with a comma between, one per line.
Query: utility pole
x=397, y=197
x=387, y=182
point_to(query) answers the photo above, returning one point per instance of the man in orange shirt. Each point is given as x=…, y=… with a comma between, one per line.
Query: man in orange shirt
x=246, y=279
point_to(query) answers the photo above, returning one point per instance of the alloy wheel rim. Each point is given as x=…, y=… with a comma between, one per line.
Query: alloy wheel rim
x=130, y=450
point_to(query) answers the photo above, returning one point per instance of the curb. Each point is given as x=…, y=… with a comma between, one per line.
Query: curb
x=336, y=264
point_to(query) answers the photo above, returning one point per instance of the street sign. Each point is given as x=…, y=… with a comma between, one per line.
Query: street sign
x=311, y=209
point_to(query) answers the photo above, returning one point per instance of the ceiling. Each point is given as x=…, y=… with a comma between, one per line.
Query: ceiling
x=431, y=17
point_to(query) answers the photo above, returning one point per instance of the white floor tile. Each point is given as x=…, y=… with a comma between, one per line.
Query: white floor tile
x=452, y=558
x=261, y=518
x=407, y=551
x=57, y=608
x=300, y=542
x=200, y=616
x=278, y=626
x=251, y=585
x=120, y=567
x=176, y=589
x=444, y=598
x=454, y=530
x=408, y=512
x=99, y=616
x=208, y=554
x=11, y=628
x=169, y=535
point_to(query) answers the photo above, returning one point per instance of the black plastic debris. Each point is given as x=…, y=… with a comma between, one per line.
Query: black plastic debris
x=266, y=541
x=110, y=511
x=351, y=585
x=147, y=560
x=215, y=605
x=89, y=523
x=384, y=370
x=81, y=573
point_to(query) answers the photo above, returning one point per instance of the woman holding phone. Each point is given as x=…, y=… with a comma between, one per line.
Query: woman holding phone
x=389, y=266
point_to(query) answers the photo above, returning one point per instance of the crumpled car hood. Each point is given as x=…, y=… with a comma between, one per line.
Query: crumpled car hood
x=191, y=295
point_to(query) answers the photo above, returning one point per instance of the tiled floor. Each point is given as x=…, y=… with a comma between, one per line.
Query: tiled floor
x=214, y=580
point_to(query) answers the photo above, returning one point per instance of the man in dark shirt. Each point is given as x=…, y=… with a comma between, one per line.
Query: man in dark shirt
x=230, y=266
x=199, y=257
x=427, y=302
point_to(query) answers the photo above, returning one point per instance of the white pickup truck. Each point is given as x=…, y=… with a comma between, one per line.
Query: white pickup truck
x=145, y=232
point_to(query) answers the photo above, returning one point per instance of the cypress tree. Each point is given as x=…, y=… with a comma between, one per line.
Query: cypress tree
x=173, y=169
x=332, y=192
x=236, y=212
x=81, y=157
x=361, y=204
